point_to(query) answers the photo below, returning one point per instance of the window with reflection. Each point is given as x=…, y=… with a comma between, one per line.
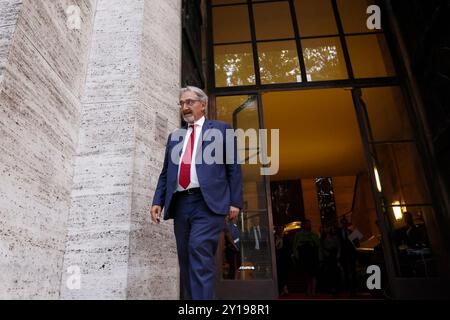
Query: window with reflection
x=225, y=106
x=285, y=36
x=278, y=62
x=402, y=182
x=324, y=59
x=385, y=108
x=246, y=253
x=234, y=65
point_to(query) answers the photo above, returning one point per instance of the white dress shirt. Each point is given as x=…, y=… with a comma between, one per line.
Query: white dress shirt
x=198, y=131
x=257, y=234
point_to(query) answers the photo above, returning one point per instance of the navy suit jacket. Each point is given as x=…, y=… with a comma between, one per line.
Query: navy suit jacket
x=263, y=242
x=220, y=184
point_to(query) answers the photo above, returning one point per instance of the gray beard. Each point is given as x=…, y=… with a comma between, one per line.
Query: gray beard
x=189, y=119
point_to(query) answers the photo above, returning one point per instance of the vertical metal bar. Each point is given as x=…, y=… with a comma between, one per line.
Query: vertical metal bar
x=254, y=44
x=343, y=41
x=298, y=41
x=390, y=256
x=211, y=81
x=269, y=203
x=437, y=223
x=355, y=191
x=212, y=114
x=417, y=115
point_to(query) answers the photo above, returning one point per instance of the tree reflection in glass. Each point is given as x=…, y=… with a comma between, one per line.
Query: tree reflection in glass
x=234, y=65
x=324, y=59
x=278, y=62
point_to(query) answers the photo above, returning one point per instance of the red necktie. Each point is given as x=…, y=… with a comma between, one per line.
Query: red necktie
x=185, y=169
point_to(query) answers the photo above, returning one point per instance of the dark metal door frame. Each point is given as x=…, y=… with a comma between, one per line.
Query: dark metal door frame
x=250, y=289
x=390, y=258
x=398, y=287
x=405, y=286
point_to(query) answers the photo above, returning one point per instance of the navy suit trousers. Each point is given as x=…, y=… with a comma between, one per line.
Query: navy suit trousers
x=197, y=233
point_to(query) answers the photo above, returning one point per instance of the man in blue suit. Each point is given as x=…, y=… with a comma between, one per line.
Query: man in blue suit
x=199, y=196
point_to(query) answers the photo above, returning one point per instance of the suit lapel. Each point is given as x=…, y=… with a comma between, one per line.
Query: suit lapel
x=204, y=136
x=205, y=132
x=173, y=177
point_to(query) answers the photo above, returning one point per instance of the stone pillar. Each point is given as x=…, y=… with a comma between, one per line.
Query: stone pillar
x=9, y=12
x=153, y=264
x=43, y=77
x=128, y=108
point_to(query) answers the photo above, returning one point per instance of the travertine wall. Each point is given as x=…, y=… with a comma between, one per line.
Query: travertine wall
x=129, y=106
x=9, y=12
x=39, y=118
x=80, y=153
x=153, y=264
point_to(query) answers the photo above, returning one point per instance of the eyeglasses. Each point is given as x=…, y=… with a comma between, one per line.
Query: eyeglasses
x=189, y=102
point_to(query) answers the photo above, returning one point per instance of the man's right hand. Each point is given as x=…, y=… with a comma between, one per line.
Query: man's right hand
x=156, y=214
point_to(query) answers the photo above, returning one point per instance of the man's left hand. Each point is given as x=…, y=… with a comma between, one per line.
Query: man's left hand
x=233, y=212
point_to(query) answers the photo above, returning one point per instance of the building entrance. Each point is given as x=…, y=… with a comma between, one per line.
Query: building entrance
x=348, y=140
x=322, y=180
x=341, y=167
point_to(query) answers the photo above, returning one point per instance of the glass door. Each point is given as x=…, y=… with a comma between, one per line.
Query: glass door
x=410, y=240
x=246, y=254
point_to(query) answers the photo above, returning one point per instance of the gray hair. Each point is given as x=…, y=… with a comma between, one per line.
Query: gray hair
x=198, y=92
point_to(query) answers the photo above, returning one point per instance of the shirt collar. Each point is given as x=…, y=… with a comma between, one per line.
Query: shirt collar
x=200, y=122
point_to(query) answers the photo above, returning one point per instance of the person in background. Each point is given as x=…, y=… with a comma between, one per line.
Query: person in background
x=330, y=252
x=258, y=236
x=415, y=234
x=306, y=253
x=348, y=256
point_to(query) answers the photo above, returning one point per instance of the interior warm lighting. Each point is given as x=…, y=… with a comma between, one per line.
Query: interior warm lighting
x=380, y=63
x=312, y=150
x=292, y=226
x=377, y=179
x=398, y=213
